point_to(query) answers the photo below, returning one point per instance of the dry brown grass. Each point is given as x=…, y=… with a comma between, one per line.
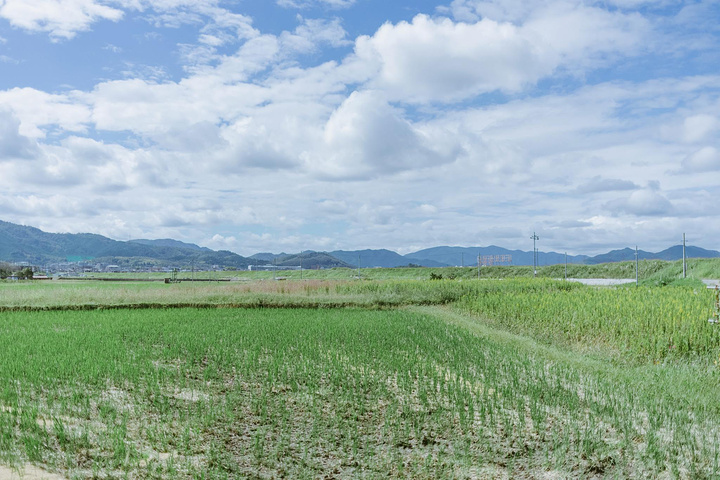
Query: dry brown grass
x=84, y=295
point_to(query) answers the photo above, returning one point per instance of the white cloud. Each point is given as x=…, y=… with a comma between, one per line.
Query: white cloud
x=645, y=202
x=88, y=151
x=698, y=127
x=99, y=168
x=706, y=159
x=366, y=137
x=431, y=60
x=585, y=37
x=219, y=242
x=426, y=209
x=260, y=142
x=599, y=184
x=13, y=144
x=211, y=40
x=52, y=206
x=310, y=3
x=151, y=109
x=314, y=33
x=227, y=27
x=38, y=110
x=518, y=11
x=62, y=19
x=112, y=48
x=335, y=208
x=438, y=60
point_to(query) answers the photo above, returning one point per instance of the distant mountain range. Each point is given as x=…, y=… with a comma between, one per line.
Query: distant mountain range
x=672, y=253
x=308, y=260
x=382, y=258
x=468, y=256
x=167, y=242
x=28, y=244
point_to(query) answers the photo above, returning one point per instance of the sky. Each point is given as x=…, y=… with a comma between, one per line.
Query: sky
x=291, y=125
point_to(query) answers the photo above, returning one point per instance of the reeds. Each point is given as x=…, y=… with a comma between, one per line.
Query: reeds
x=643, y=324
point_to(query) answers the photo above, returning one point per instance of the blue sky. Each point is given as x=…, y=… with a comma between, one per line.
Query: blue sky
x=287, y=125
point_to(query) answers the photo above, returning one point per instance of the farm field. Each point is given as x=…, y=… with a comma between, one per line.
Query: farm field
x=514, y=378
x=650, y=271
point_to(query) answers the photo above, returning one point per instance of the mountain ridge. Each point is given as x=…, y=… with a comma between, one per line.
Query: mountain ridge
x=169, y=242
x=19, y=243
x=382, y=258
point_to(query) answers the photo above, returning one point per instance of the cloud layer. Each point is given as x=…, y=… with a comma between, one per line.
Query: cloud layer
x=474, y=123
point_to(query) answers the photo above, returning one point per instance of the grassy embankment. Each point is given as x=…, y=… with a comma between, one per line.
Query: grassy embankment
x=650, y=271
x=516, y=378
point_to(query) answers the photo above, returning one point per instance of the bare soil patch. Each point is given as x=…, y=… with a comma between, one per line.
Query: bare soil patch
x=28, y=472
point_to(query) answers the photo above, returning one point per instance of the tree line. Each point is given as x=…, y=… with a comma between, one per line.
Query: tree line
x=7, y=270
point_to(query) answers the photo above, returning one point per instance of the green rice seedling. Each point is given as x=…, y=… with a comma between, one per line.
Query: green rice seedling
x=351, y=392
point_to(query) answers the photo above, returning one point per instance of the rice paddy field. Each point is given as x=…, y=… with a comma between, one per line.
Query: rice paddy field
x=331, y=378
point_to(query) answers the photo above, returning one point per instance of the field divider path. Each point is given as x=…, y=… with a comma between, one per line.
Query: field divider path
x=476, y=326
x=206, y=306
x=162, y=306
x=681, y=384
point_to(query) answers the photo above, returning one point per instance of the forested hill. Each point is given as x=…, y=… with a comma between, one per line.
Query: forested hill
x=308, y=260
x=28, y=244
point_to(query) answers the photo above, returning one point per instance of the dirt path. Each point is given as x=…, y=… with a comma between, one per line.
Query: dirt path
x=28, y=473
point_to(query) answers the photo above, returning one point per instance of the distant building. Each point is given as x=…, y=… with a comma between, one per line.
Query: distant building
x=112, y=268
x=270, y=268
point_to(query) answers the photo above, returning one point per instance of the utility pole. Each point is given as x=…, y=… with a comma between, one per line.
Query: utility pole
x=358, y=269
x=462, y=259
x=684, y=259
x=637, y=267
x=565, y=265
x=478, y=266
x=534, y=239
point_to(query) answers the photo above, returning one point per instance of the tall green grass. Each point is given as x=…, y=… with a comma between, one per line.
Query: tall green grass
x=639, y=324
x=672, y=272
